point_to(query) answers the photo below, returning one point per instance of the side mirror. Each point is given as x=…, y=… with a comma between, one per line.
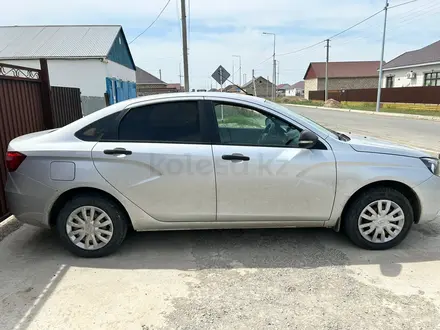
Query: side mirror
x=307, y=140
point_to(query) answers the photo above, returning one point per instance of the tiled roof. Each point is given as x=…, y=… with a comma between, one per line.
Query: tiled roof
x=428, y=54
x=343, y=69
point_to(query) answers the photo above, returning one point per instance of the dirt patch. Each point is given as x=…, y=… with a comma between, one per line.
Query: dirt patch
x=330, y=103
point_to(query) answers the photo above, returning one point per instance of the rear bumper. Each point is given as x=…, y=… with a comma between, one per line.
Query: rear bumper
x=28, y=199
x=429, y=196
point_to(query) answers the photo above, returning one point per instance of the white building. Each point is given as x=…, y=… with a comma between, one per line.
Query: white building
x=415, y=68
x=296, y=89
x=94, y=58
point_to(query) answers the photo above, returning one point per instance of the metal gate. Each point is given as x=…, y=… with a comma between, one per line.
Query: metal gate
x=27, y=104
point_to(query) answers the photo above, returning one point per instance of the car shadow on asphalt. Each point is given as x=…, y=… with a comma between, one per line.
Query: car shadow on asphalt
x=38, y=254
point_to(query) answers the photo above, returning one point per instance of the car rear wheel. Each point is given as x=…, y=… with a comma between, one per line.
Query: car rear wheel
x=379, y=219
x=91, y=226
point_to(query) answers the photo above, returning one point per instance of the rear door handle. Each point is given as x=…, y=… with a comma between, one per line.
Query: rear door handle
x=236, y=157
x=117, y=151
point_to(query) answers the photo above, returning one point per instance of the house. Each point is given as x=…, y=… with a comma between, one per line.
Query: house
x=94, y=58
x=296, y=89
x=281, y=89
x=341, y=75
x=263, y=87
x=232, y=89
x=147, y=84
x=419, y=67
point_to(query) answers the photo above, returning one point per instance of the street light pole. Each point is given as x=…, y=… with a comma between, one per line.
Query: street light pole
x=239, y=65
x=379, y=86
x=274, y=69
x=184, y=46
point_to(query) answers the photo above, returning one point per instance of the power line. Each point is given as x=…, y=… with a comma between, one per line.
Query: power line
x=152, y=23
x=300, y=50
x=359, y=23
x=401, y=4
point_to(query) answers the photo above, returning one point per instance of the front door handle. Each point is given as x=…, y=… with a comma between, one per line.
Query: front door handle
x=236, y=157
x=117, y=151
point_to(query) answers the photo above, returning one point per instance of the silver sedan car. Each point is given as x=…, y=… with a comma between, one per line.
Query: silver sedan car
x=214, y=160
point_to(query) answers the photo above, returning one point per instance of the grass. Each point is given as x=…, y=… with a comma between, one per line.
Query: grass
x=412, y=109
x=240, y=121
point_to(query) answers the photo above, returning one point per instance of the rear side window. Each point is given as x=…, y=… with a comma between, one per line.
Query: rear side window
x=100, y=130
x=173, y=122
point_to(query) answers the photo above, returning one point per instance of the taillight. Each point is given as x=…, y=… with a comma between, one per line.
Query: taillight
x=14, y=160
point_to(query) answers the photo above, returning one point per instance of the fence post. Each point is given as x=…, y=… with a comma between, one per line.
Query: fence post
x=45, y=95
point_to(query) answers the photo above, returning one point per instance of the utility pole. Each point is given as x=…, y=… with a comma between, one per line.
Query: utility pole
x=233, y=69
x=278, y=78
x=160, y=74
x=180, y=75
x=379, y=86
x=326, y=70
x=239, y=66
x=184, y=45
x=274, y=77
x=253, y=82
x=244, y=78
x=267, y=87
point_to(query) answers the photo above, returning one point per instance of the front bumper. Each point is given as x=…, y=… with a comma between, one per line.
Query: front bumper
x=28, y=199
x=429, y=196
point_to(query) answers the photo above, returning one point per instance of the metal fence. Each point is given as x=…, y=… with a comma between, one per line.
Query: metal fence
x=66, y=105
x=28, y=104
x=425, y=95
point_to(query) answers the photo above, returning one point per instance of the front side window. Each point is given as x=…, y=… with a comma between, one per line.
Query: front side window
x=239, y=125
x=432, y=79
x=172, y=122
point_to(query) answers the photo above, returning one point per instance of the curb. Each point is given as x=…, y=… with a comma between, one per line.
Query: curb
x=372, y=113
x=8, y=226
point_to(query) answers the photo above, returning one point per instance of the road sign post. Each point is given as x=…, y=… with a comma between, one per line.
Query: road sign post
x=220, y=75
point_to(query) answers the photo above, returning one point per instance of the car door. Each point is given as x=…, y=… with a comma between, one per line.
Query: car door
x=261, y=173
x=162, y=161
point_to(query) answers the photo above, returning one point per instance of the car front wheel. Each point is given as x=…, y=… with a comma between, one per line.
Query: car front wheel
x=379, y=219
x=91, y=226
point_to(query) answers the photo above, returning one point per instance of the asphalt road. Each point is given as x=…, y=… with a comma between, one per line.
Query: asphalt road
x=418, y=133
x=229, y=279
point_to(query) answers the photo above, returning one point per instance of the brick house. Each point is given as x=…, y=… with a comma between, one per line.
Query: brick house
x=262, y=85
x=341, y=75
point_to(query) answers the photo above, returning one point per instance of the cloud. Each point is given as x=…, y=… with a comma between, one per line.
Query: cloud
x=220, y=29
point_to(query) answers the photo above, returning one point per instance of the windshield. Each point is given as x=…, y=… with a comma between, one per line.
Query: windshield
x=314, y=125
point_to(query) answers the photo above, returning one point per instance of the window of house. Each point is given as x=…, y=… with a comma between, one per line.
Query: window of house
x=172, y=122
x=390, y=82
x=240, y=125
x=432, y=79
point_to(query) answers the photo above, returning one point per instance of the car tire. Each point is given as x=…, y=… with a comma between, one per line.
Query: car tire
x=109, y=226
x=357, y=228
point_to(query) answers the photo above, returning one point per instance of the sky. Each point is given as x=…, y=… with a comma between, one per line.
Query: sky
x=219, y=29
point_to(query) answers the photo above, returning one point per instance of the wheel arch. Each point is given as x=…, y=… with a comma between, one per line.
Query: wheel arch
x=65, y=196
x=407, y=191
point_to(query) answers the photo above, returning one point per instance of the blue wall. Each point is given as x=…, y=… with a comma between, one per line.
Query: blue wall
x=120, y=53
x=119, y=90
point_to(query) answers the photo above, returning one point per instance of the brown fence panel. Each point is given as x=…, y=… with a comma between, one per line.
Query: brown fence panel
x=425, y=95
x=20, y=113
x=66, y=105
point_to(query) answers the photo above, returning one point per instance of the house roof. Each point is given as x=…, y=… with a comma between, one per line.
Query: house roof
x=343, y=69
x=57, y=41
x=144, y=77
x=299, y=84
x=283, y=86
x=249, y=83
x=428, y=54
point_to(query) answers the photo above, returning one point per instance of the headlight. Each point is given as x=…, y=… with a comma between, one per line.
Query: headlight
x=432, y=164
